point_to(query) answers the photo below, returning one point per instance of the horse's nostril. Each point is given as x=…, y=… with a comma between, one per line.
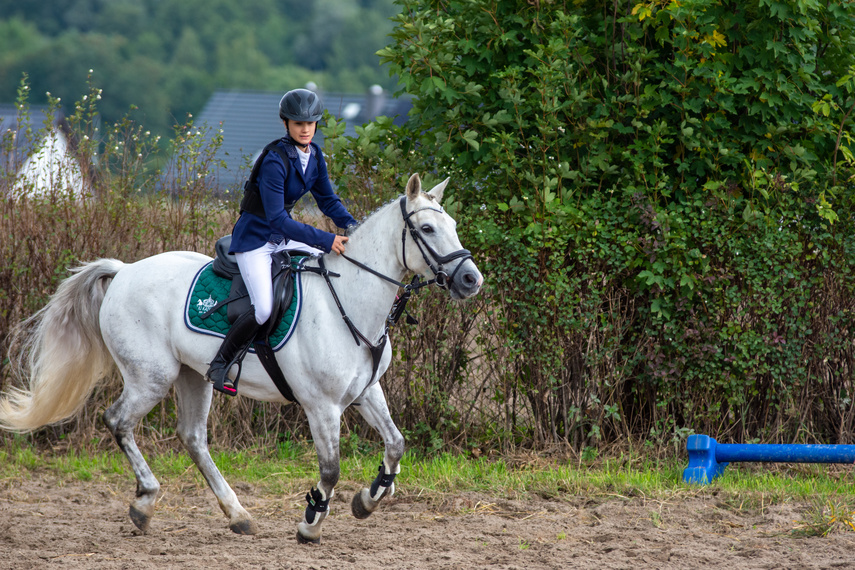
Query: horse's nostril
x=471, y=280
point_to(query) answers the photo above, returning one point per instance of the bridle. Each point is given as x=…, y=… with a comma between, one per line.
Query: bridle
x=441, y=278
x=435, y=262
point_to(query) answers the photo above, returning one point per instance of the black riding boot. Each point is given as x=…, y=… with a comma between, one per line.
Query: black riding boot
x=231, y=352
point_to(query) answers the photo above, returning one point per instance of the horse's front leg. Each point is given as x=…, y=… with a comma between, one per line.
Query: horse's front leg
x=326, y=431
x=372, y=406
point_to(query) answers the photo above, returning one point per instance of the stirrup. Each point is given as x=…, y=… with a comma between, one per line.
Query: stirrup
x=232, y=351
x=224, y=384
x=227, y=387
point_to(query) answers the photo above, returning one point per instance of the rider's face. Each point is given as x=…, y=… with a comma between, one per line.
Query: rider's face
x=301, y=131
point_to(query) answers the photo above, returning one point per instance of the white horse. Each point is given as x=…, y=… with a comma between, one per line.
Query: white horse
x=131, y=316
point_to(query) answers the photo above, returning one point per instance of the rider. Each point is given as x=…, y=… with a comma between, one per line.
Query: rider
x=256, y=239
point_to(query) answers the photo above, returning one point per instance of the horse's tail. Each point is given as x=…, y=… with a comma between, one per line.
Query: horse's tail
x=58, y=354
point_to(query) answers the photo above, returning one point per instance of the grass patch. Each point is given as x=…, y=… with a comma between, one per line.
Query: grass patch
x=826, y=517
x=781, y=482
x=292, y=468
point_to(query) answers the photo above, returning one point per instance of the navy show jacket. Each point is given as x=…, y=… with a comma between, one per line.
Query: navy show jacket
x=251, y=232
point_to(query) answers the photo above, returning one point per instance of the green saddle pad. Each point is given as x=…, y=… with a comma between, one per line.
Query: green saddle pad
x=208, y=289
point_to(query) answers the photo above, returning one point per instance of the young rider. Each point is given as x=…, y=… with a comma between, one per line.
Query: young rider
x=255, y=239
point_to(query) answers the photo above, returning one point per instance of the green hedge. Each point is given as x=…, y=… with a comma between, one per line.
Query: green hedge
x=659, y=197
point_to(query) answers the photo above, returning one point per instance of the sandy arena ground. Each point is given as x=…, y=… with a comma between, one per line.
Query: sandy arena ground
x=45, y=524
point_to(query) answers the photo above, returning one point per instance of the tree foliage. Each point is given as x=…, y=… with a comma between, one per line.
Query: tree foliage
x=661, y=197
x=166, y=58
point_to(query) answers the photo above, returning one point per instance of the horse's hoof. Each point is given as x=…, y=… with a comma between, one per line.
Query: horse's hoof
x=303, y=540
x=139, y=518
x=358, y=507
x=246, y=526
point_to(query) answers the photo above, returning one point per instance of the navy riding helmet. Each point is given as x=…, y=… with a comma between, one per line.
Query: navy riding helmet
x=301, y=105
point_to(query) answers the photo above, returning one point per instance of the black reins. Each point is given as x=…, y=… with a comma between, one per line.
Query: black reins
x=441, y=278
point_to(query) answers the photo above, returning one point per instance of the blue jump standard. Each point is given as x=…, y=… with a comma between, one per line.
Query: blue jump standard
x=708, y=458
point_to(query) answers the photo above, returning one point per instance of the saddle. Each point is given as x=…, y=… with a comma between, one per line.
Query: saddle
x=238, y=302
x=225, y=266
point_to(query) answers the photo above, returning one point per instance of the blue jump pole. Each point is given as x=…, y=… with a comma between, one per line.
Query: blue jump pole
x=708, y=458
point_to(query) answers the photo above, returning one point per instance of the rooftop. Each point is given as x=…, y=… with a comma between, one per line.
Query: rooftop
x=250, y=119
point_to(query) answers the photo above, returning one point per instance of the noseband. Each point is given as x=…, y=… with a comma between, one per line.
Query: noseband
x=441, y=278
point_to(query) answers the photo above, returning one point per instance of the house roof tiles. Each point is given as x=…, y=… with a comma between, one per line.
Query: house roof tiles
x=250, y=119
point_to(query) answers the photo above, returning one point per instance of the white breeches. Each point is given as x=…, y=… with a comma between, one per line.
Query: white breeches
x=255, y=267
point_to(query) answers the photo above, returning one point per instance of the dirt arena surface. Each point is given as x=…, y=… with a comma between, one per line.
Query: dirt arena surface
x=48, y=524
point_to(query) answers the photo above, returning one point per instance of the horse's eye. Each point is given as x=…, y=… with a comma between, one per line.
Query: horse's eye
x=427, y=229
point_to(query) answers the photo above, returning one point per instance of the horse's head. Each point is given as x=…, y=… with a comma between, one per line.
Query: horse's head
x=433, y=248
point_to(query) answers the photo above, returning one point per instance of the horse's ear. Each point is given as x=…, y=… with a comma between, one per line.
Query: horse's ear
x=437, y=191
x=414, y=187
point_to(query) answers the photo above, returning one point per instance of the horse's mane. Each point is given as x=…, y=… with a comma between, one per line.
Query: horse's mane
x=382, y=207
x=372, y=214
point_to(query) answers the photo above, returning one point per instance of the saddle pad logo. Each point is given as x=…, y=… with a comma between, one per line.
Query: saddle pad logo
x=208, y=289
x=205, y=305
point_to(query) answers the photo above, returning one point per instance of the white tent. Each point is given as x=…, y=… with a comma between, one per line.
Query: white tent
x=52, y=171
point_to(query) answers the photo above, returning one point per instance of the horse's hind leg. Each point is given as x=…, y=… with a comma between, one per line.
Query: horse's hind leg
x=193, y=396
x=141, y=393
x=373, y=408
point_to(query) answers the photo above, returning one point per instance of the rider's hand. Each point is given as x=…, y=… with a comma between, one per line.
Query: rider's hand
x=338, y=244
